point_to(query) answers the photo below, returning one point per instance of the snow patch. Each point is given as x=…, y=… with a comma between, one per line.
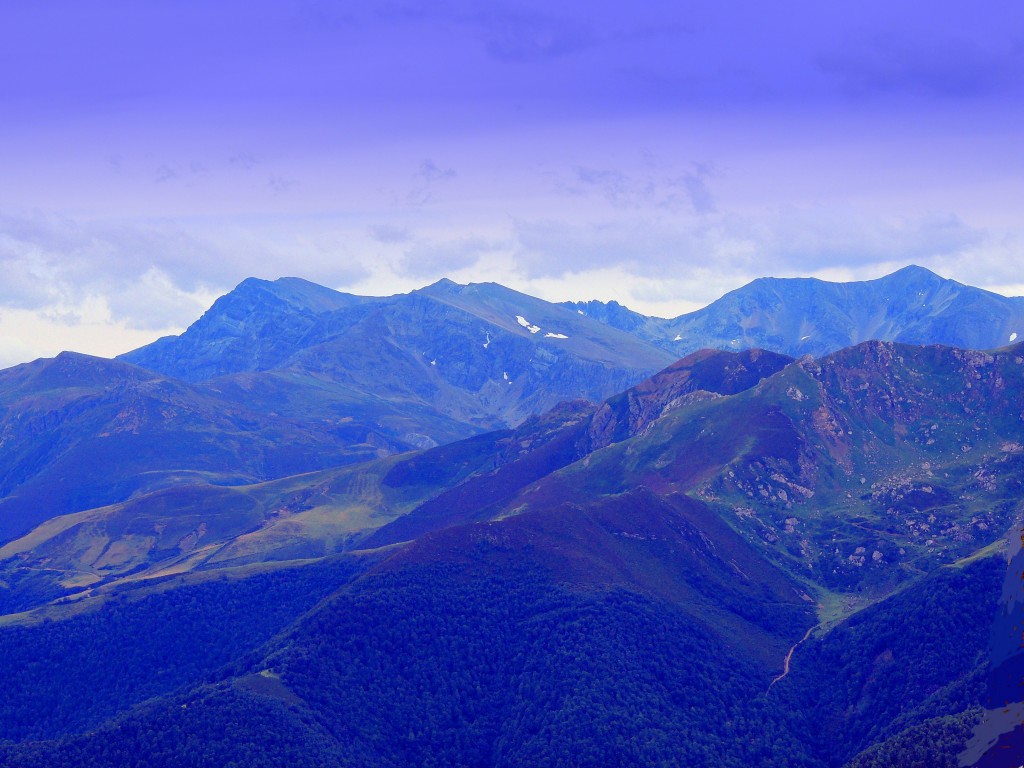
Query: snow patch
x=527, y=324
x=555, y=336
x=679, y=337
x=488, y=342
x=433, y=362
x=580, y=312
x=1013, y=336
x=805, y=338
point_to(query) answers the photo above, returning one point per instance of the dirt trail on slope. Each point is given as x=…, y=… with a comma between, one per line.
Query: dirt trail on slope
x=789, y=656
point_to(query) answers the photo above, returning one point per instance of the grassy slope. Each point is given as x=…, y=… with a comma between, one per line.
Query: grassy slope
x=196, y=527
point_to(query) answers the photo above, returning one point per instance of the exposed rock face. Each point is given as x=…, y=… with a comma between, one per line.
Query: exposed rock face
x=702, y=375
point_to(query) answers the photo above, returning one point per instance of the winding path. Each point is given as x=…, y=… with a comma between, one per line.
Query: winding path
x=789, y=656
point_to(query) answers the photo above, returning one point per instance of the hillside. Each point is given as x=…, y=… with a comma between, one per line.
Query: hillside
x=620, y=634
x=744, y=558
x=197, y=521
x=857, y=471
x=80, y=432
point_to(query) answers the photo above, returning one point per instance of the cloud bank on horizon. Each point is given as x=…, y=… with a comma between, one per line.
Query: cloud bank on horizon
x=155, y=155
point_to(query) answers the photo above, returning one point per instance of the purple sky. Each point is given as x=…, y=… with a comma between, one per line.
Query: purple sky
x=155, y=154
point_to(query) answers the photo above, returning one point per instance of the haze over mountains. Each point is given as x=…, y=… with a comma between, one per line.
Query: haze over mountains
x=598, y=554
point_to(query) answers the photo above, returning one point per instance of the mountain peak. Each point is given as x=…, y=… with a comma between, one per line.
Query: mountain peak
x=253, y=327
x=915, y=274
x=293, y=291
x=73, y=369
x=444, y=284
x=79, y=361
x=913, y=269
x=443, y=287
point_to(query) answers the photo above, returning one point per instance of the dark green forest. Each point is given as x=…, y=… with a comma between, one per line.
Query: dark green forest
x=66, y=676
x=442, y=665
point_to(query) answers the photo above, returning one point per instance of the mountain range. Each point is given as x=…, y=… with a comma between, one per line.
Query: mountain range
x=480, y=355
x=806, y=316
x=312, y=379
x=224, y=542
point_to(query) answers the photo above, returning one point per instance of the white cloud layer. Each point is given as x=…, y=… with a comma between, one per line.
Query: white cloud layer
x=104, y=287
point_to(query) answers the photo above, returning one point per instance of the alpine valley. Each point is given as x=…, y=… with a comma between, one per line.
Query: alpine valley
x=468, y=527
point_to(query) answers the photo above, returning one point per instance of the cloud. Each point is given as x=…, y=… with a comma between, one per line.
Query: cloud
x=430, y=259
x=279, y=185
x=522, y=36
x=65, y=258
x=698, y=191
x=244, y=160
x=644, y=188
x=153, y=274
x=187, y=173
x=430, y=172
x=14, y=351
x=669, y=265
x=555, y=248
x=166, y=173
x=947, y=66
x=613, y=185
x=814, y=238
x=154, y=302
x=26, y=282
x=792, y=240
x=993, y=263
x=425, y=181
x=389, y=234
x=507, y=32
